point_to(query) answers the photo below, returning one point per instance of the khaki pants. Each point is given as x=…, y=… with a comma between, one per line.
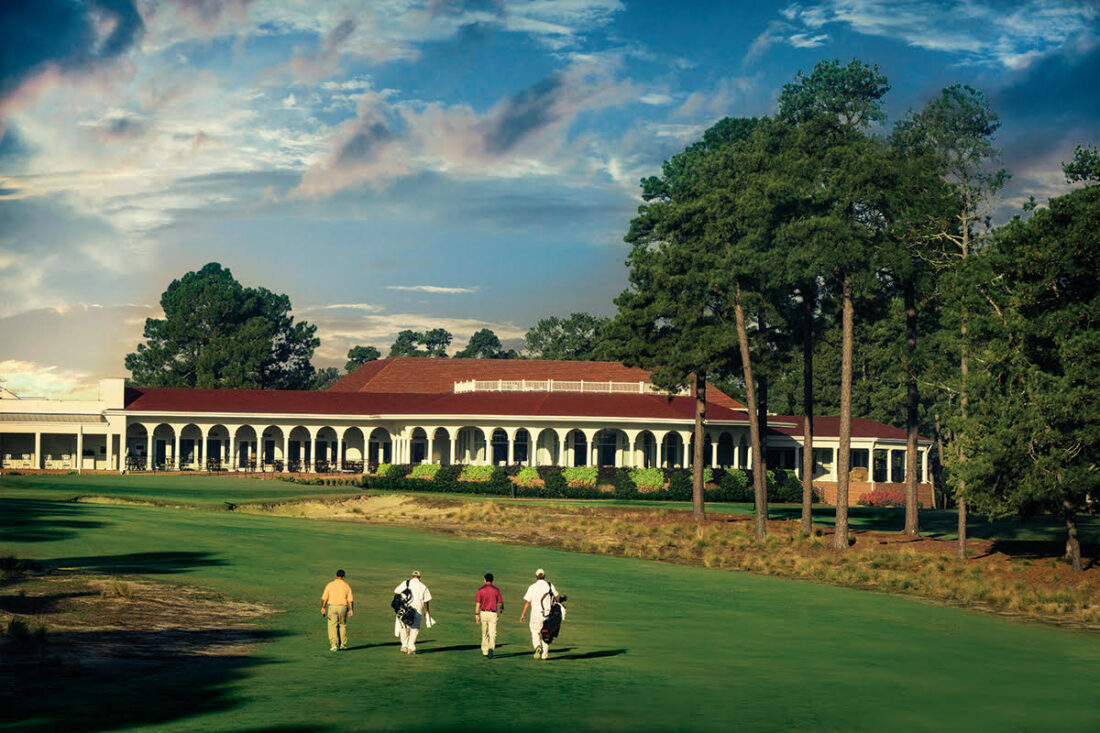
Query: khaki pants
x=488, y=632
x=338, y=626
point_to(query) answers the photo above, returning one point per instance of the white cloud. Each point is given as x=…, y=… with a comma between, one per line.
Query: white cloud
x=1009, y=36
x=29, y=379
x=436, y=289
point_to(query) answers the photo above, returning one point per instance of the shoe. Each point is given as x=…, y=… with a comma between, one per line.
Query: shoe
x=490, y=654
x=412, y=652
x=404, y=650
x=344, y=648
x=332, y=648
x=538, y=653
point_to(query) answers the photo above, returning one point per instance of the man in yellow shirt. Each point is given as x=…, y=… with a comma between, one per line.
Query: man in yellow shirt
x=340, y=604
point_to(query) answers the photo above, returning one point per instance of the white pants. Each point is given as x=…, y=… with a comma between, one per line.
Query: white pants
x=536, y=636
x=408, y=634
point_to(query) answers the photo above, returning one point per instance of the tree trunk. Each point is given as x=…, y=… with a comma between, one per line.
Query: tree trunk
x=912, y=416
x=937, y=472
x=759, y=487
x=964, y=372
x=807, y=410
x=844, y=457
x=700, y=390
x=1073, y=543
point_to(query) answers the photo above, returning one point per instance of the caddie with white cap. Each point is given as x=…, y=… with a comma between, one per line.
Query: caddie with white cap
x=539, y=598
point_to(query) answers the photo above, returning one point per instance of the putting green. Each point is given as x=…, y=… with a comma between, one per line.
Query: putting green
x=646, y=646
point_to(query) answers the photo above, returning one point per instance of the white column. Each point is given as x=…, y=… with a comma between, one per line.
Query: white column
x=176, y=449
x=924, y=466
x=340, y=451
x=312, y=452
x=80, y=449
x=714, y=452
x=533, y=448
x=511, y=448
x=37, y=449
x=205, y=436
x=233, y=462
x=454, y=448
x=149, y=463
x=685, y=438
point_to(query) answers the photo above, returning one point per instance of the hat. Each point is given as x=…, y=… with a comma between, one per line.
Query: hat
x=339, y=573
x=539, y=573
x=416, y=573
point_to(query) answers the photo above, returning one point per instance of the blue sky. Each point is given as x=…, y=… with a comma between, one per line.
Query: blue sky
x=396, y=164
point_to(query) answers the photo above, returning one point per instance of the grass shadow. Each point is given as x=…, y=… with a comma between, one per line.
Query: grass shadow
x=588, y=655
x=145, y=563
x=124, y=679
x=27, y=520
x=28, y=605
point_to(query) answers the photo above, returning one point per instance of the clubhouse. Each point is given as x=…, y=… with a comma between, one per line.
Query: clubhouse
x=422, y=410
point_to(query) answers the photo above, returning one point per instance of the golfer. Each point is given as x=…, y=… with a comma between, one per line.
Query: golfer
x=418, y=600
x=487, y=603
x=339, y=602
x=539, y=598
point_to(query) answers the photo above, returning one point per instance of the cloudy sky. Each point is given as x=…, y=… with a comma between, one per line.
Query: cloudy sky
x=402, y=164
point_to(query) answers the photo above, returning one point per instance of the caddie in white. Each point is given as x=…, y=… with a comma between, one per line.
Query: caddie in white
x=539, y=598
x=417, y=596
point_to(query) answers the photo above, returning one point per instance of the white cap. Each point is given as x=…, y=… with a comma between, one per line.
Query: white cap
x=416, y=573
x=539, y=573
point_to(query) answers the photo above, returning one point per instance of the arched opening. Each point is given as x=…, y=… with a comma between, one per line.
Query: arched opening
x=500, y=447
x=576, y=448
x=418, y=446
x=547, y=448
x=217, y=448
x=246, y=449
x=137, y=446
x=725, y=450
x=325, y=460
x=645, y=450
x=471, y=446
x=521, y=447
x=379, y=447
x=271, y=449
x=441, y=447
x=672, y=451
x=743, y=453
x=190, y=448
x=164, y=447
x=298, y=449
x=354, y=450
x=609, y=445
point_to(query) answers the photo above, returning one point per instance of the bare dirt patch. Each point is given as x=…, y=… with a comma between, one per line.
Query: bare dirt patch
x=87, y=620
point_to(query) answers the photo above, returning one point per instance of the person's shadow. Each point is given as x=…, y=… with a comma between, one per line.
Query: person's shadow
x=372, y=646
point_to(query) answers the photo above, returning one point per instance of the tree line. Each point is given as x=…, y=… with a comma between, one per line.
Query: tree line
x=812, y=262
x=817, y=260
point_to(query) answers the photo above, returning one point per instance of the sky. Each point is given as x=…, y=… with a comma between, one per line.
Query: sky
x=395, y=165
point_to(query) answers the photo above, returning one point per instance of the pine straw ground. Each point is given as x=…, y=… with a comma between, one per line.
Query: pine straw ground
x=1026, y=583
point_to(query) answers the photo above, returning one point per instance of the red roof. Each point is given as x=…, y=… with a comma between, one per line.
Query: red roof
x=533, y=404
x=405, y=374
x=862, y=427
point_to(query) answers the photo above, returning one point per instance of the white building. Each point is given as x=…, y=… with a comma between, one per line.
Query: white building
x=414, y=410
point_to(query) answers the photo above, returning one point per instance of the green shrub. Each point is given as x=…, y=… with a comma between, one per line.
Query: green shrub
x=527, y=476
x=679, y=486
x=734, y=486
x=708, y=475
x=425, y=471
x=23, y=637
x=624, y=484
x=580, y=476
x=648, y=479
x=383, y=469
x=555, y=481
x=477, y=473
x=500, y=483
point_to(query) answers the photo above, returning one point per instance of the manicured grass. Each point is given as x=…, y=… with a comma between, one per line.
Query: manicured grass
x=215, y=490
x=647, y=646
x=181, y=488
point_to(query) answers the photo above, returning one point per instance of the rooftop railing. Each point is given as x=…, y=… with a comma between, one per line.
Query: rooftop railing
x=554, y=385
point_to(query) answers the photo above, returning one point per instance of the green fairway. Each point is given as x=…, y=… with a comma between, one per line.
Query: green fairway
x=215, y=490
x=646, y=646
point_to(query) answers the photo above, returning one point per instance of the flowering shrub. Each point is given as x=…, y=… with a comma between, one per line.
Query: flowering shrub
x=580, y=476
x=476, y=473
x=648, y=479
x=383, y=469
x=425, y=471
x=527, y=476
x=883, y=498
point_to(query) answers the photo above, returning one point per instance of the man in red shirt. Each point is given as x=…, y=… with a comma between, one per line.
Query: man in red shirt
x=487, y=604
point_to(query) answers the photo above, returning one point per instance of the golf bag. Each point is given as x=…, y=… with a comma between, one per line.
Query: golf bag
x=400, y=605
x=551, y=625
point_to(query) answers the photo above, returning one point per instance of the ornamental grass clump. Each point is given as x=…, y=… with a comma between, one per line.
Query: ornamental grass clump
x=425, y=471
x=580, y=477
x=476, y=473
